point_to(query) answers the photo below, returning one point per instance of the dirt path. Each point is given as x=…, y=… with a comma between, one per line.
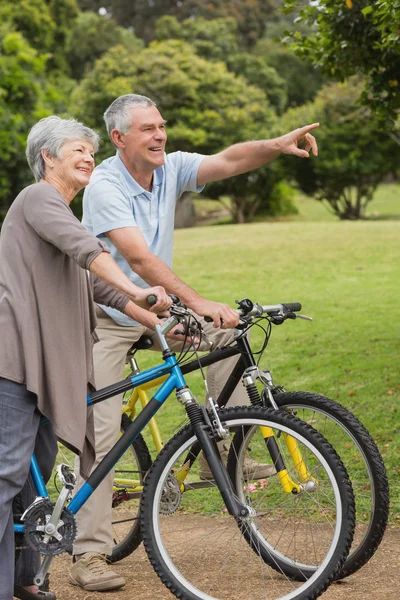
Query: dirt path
x=379, y=580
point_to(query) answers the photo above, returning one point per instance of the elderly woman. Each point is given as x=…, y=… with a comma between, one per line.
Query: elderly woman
x=49, y=277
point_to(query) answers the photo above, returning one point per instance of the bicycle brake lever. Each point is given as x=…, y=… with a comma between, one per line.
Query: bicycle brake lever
x=298, y=316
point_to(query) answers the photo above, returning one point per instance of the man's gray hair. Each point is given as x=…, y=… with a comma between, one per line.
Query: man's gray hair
x=118, y=115
x=50, y=134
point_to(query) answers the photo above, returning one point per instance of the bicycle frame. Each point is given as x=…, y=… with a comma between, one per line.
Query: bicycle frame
x=174, y=381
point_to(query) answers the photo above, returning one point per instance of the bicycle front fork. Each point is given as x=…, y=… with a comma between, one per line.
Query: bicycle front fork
x=204, y=431
x=288, y=485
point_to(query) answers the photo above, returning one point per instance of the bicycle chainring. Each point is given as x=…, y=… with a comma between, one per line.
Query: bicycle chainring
x=42, y=537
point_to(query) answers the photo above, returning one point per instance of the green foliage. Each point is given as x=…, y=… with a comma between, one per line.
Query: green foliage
x=44, y=24
x=259, y=73
x=27, y=93
x=21, y=79
x=355, y=155
x=282, y=201
x=142, y=15
x=90, y=37
x=250, y=15
x=217, y=41
x=356, y=37
x=302, y=79
x=212, y=40
x=33, y=19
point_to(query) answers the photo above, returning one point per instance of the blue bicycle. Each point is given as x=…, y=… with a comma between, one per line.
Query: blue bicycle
x=232, y=535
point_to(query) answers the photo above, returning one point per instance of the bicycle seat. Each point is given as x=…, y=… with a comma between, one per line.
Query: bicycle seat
x=143, y=343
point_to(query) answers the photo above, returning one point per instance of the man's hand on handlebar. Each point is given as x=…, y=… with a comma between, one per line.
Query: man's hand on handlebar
x=220, y=314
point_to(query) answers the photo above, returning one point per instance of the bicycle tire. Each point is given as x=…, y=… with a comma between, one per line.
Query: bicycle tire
x=370, y=484
x=127, y=540
x=169, y=534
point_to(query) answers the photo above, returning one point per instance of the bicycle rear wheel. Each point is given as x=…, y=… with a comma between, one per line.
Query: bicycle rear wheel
x=129, y=476
x=201, y=552
x=363, y=463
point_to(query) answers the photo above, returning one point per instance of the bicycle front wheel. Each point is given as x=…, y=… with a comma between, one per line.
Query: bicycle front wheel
x=201, y=552
x=363, y=463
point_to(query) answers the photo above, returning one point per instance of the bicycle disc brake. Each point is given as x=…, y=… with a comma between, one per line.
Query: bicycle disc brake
x=171, y=496
x=44, y=537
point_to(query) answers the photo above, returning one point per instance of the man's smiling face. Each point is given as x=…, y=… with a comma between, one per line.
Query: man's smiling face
x=144, y=144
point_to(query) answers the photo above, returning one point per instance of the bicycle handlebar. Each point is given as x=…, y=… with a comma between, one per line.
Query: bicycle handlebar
x=278, y=313
x=151, y=299
x=250, y=309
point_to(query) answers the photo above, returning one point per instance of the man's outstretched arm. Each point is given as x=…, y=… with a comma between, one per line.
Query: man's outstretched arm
x=247, y=156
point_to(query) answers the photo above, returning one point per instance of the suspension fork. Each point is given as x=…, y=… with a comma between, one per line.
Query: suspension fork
x=207, y=444
x=247, y=367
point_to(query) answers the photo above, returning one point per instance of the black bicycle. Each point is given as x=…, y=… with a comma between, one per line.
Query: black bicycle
x=337, y=424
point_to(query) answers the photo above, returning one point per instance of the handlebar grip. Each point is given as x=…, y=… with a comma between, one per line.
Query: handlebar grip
x=208, y=319
x=292, y=306
x=151, y=299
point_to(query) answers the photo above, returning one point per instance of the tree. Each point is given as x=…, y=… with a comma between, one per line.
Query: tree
x=302, y=79
x=213, y=40
x=44, y=24
x=355, y=154
x=207, y=108
x=22, y=103
x=33, y=82
x=217, y=40
x=356, y=37
x=142, y=14
x=91, y=36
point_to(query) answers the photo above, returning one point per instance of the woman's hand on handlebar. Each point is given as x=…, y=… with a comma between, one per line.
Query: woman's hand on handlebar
x=162, y=303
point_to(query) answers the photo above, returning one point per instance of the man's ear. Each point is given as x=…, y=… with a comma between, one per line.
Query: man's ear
x=117, y=138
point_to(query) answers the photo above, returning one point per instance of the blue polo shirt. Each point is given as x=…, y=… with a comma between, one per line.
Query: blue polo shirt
x=113, y=199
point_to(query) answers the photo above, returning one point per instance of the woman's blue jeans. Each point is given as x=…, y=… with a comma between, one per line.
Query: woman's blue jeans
x=19, y=438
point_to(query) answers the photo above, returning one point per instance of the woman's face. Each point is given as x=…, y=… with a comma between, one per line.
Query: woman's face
x=76, y=164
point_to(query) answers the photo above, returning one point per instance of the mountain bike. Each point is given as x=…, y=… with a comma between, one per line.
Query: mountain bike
x=189, y=525
x=337, y=424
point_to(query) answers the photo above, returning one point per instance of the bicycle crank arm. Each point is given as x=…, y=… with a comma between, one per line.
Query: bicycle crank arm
x=44, y=569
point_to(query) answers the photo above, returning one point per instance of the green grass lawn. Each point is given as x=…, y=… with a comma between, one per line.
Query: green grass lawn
x=346, y=276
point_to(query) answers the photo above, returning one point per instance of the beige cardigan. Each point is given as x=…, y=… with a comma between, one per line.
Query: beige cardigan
x=47, y=316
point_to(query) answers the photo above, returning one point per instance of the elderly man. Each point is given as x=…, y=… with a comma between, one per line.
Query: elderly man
x=130, y=204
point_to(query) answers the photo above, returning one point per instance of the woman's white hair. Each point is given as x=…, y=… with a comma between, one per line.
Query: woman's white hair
x=118, y=115
x=50, y=134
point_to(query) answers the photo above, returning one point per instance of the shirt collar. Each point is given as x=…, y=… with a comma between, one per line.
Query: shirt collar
x=135, y=188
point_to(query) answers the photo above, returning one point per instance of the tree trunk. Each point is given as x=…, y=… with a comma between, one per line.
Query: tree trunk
x=185, y=215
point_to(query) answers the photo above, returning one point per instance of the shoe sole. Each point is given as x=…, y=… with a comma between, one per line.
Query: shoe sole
x=94, y=587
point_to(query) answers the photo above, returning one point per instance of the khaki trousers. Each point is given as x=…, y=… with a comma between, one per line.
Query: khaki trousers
x=94, y=518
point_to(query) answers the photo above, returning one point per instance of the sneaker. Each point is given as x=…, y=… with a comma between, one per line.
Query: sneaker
x=251, y=468
x=91, y=572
